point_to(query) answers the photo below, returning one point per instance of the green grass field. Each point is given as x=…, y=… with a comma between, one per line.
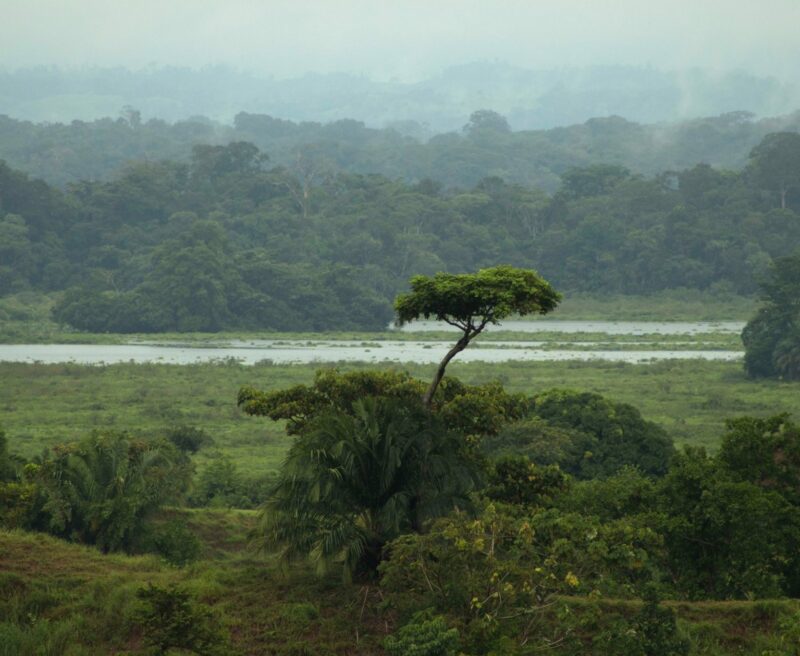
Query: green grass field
x=41, y=405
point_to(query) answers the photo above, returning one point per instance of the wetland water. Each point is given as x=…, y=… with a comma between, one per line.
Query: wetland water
x=386, y=350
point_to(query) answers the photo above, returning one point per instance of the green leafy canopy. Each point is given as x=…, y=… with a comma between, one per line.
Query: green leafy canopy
x=486, y=296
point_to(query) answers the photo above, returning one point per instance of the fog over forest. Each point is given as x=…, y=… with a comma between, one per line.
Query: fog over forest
x=540, y=64
x=530, y=99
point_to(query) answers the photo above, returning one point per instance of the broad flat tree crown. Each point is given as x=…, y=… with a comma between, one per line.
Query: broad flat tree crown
x=471, y=301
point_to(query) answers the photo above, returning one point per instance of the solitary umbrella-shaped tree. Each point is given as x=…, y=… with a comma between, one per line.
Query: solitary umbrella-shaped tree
x=472, y=301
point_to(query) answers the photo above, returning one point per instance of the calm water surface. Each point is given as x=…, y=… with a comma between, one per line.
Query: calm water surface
x=302, y=352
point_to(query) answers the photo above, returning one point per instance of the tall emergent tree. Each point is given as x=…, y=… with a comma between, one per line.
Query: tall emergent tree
x=772, y=338
x=472, y=301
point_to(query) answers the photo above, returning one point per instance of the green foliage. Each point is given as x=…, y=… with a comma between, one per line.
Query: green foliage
x=765, y=452
x=189, y=439
x=424, y=635
x=596, y=180
x=625, y=494
x=772, y=338
x=353, y=481
x=471, y=301
x=616, y=557
x=101, y=490
x=19, y=504
x=8, y=467
x=544, y=443
x=471, y=409
x=478, y=570
x=221, y=484
x=775, y=163
x=496, y=574
x=726, y=538
x=169, y=619
x=519, y=481
x=39, y=638
x=221, y=242
x=331, y=390
x=618, y=434
x=173, y=541
x=653, y=631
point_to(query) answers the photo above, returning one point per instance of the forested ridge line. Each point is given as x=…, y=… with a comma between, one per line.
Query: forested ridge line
x=227, y=240
x=486, y=146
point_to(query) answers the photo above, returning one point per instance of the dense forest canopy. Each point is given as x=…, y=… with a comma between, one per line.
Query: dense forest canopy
x=483, y=145
x=227, y=240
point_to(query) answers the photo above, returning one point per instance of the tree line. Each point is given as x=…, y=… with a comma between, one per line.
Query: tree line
x=62, y=153
x=229, y=241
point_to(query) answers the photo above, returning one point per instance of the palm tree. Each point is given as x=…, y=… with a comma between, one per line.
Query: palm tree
x=353, y=482
x=99, y=491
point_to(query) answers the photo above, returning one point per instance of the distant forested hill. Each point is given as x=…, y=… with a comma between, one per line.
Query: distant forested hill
x=531, y=99
x=486, y=147
x=227, y=240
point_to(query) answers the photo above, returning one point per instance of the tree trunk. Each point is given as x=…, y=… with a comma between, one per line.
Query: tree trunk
x=461, y=344
x=783, y=197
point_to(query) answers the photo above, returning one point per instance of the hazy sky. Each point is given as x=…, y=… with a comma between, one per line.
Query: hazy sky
x=406, y=39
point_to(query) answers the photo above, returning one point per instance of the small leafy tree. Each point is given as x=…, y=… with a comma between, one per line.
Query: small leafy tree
x=472, y=301
x=610, y=434
x=170, y=619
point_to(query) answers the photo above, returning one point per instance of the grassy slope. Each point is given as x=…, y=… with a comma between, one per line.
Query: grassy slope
x=81, y=600
x=45, y=404
x=77, y=602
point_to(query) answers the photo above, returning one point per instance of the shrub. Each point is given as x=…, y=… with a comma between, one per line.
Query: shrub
x=189, y=439
x=170, y=619
x=173, y=542
x=424, y=635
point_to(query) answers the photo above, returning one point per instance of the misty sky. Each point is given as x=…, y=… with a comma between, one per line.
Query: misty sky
x=407, y=40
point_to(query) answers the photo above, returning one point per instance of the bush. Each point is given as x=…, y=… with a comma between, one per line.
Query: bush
x=424, y=635
x=173, y=542
x=221, y=484
x=619, y=434
x=102, y=490
x=652, y=632
x=517, y=480
x=170, y=619
x=189, y=439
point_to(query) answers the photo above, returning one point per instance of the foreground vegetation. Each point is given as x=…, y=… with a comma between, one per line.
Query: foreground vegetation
x=540, y=559
x=69, y=600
